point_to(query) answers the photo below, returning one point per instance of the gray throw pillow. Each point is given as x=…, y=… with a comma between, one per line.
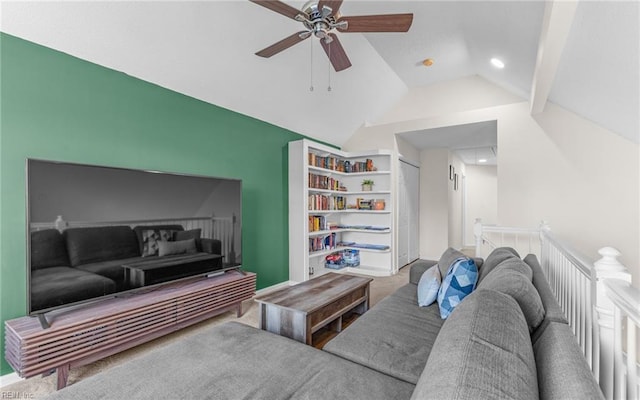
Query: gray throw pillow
x=190, y=234
x=516, y=285
x=496, y=257
x=447, y=258
x=166, y=248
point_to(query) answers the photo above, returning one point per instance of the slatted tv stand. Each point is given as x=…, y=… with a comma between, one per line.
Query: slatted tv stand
x=88, y=333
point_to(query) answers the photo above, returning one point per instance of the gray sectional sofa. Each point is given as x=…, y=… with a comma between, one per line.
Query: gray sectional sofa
x=506, y=340
x=83, y=263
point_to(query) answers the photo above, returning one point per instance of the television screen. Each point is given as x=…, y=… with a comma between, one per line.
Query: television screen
x=99, y=231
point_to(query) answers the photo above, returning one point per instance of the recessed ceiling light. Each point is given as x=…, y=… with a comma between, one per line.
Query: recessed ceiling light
x=497, y=63
x=482, y=160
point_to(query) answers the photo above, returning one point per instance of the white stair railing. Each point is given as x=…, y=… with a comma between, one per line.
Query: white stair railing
x=571, y=277
x=488, y=237
x=601, y=305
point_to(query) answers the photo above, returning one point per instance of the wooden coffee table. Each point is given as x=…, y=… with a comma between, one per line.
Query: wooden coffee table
x=300, y=310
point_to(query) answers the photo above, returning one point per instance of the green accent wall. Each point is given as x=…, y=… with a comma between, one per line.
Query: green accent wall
x=58, y=107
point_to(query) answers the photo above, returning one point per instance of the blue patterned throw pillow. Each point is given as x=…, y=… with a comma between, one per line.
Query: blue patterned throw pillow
x=428, y=286
x=459, y=283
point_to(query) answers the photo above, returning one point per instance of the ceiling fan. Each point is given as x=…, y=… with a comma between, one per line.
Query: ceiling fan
x=321, y=17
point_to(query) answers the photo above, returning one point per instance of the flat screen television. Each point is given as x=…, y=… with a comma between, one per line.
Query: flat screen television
x=96, y=231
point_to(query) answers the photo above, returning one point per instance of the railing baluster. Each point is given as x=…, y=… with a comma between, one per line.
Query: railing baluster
x=632, y=377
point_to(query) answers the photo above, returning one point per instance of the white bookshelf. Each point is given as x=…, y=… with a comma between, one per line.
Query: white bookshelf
x=351, y=226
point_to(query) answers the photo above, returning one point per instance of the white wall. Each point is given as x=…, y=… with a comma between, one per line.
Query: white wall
x=581, y=178
x=482, y=198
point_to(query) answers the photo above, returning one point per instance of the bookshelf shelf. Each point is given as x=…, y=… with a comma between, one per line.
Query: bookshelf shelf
x=327, y=206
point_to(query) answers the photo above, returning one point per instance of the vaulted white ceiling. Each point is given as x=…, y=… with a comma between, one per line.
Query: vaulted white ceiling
x=206, y=50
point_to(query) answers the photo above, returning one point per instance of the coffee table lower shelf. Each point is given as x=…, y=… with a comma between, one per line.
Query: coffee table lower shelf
x=297, y=312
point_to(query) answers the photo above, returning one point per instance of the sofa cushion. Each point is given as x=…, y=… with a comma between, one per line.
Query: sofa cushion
x=496, y=257
x=483, y=351
x=563, y=373
x=428, y=286
x=178, y=247
x=395, y=337
x=521, y=289
x=48, y=249
x=151, y=239
x=190, y=234
x=56, y=286
x=553, y=312
x=91, y=245
x=516, y=265
x=458, y=284
x=447, y=258
x=418, y=268
x=236, y=361
x=140, y=228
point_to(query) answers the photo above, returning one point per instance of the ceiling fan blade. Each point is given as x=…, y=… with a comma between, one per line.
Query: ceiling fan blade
x=378, y=23
x=283, y=44
x=333, y=4
x=336, y=53
x=279, y=7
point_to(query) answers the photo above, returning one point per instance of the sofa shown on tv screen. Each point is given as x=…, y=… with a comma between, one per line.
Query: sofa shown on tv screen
x=98, y=231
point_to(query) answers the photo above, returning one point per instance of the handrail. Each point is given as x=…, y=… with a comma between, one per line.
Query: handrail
x=575, y=257
x=625, y=297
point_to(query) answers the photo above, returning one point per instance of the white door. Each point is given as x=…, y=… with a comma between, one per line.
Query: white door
x=408, y=213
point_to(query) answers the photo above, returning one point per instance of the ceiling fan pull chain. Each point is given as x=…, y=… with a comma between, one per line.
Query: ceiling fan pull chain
x=329, y=64
x=311, y=67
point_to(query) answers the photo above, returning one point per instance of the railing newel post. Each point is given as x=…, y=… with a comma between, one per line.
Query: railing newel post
x=607, y=267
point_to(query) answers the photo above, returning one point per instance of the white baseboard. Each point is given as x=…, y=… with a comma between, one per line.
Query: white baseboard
x=8, y=379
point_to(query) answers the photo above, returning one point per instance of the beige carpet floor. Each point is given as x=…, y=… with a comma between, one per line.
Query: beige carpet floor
x=38, y=387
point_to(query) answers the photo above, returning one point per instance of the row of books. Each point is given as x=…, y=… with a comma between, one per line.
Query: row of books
x=321, y=202
x=320, y=243
x=340, y=165
x=325, y=182
x=317, y=223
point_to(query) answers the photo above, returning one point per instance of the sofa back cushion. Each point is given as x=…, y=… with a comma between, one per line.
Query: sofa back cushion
x=483, y=335
x=519, y=287
x=563, y=372
x=496, y=257
x=553, y=312
x=90, y=245
x=48, y=249
x=447, y=258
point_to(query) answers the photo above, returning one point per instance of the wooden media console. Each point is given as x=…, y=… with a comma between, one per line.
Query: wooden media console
x=87, y=333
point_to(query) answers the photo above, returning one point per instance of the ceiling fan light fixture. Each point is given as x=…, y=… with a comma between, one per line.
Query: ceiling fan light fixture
x=428, y=62
x=497, y=63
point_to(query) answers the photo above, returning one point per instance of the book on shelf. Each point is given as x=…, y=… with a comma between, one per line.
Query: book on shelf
x=325, y=182
x=325, y=242
x=324, y=203
x=337, y=164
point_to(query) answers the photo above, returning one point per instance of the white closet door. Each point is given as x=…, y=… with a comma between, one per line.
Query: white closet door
x=413, y=206
x=408, y=213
